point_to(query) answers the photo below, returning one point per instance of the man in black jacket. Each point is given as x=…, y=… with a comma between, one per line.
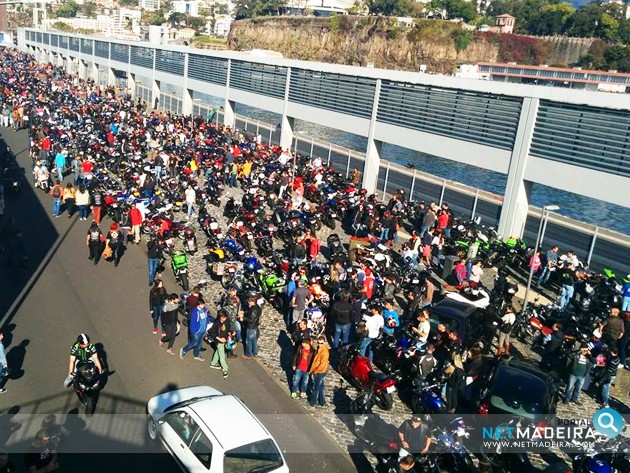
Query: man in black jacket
x=169, y=322
x=251, y=319
x=553, y=347
x=343, y=314
x=154, y=255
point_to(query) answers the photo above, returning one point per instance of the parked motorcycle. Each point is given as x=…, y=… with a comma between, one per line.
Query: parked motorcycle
x=190, y=241
x=179, y=265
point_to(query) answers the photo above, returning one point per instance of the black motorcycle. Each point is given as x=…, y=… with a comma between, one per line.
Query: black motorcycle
x=87, y=384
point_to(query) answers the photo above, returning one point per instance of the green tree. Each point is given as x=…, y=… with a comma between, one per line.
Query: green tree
x=69, y=10
x=253, y=8
x=89, y=9
x=595, y=58
x=585, y=21
x=552, y=19
x=455, y=8
x=391, y=7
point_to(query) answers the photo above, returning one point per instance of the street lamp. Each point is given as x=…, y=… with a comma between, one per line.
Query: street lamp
x=539, y=238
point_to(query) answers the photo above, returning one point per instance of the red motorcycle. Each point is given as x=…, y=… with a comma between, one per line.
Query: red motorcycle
x=359, y=372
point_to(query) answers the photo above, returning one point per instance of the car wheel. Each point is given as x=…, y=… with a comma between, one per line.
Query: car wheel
x=152, y=428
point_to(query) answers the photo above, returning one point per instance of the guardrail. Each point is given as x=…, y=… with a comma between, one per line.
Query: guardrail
x=598, y=247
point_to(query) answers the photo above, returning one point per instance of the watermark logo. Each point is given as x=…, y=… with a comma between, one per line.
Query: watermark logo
x=608, y=421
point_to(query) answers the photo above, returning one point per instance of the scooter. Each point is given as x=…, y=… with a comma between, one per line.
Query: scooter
x=86, y=384
x=359, y=372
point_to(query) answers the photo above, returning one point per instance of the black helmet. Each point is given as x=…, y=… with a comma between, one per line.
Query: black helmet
x=503, y=271
x=83, y=339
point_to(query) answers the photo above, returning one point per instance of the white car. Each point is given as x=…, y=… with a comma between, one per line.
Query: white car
x=211, y=432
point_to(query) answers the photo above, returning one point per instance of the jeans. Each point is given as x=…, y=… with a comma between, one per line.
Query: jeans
x=544, y=276
x=233, y=182
x=158, y=173
x=156, y=313
x=196, y=340
x=365, y=344
x=56, y=206
x=606, y=391
x=625, y=304
x=83, y=211
x=318, y=394
x=343, y=332
x=218, y=359
x=469, y=265
x=423, y=230
x=251, y=342
x=288, y=317
x=60, y=173
x=300, y=381
x=384, y=234
x=191, y=207
x=566, y=293
x=153, y=264
x=236, y=326
x=574, y=388
x=623, y=349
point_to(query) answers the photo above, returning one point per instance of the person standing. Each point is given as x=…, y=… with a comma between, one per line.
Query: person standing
x=549, y=263
x=567, y=280
x=198, y=324
x=318, y=371
x=60, y=164
x=612, y=329
x=154, y=255
x=97, y=204
x=476, y=272
x=414, y=436
x=57, y=195
x=4, y=367
x=302, y=297
x=580, y=364
x=251, y=320
x=157, y=298
x=343, y=313
x=507, y=322
x=374, y=323
x=93, y=240
x=135, y=216
x=83, y=201
x=169, y=322
x=301, y=364
x=219, y=332
x=69, y=198
x=41, y=456
x=191, y=200
x=609, y=376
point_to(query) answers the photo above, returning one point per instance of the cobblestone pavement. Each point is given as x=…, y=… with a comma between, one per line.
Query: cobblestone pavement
x=276, y=351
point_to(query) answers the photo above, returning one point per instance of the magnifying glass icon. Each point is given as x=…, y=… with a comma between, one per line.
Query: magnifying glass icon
x=607, y=421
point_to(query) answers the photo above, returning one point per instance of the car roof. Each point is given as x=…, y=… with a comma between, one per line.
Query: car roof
x=525, y=366
x=230, y=421
x=453, y=308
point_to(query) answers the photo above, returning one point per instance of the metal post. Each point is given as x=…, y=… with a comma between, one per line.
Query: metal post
x=296, y=144
x=442, y=193
x=257, y=125
x=348, y=166
x=245, y=128
x=312, y=145
x=590, y=250
x=329, y=154
x=413, y=184
x=531, y=266
x=474, y=209
x=270, y=134
x=385, y=183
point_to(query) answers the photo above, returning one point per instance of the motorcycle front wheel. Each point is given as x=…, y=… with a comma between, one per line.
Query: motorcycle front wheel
x=226, y=280
x=90, y=405
x=183, y=278
x=384, y=401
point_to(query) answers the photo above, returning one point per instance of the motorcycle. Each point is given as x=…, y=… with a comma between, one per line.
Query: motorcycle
x=426, y=398
x=190, y=241
x=391, y=353
x=179, y=265
x=273, y=285
x=86, y=384
x=359, y=372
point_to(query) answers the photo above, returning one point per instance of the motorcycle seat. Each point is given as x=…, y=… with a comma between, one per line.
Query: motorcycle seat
x=375, y=377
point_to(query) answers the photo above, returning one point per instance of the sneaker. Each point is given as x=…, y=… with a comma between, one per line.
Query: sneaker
x=215, y=367
x=605, y=406
x=301, y=395
x=181, y=353
x=155, y=331
x=170, y=351
x=225, y=375
x=293, y=395
x=245, y=357
x=163, y=333
x=198, y=358
x=3, y=390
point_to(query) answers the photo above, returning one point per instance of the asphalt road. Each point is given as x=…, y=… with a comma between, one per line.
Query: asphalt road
x=62, y=294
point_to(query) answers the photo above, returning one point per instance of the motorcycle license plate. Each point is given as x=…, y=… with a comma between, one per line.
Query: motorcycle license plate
x=390, y=389
x=230, y=270
x=333, y=215
x=250, y=237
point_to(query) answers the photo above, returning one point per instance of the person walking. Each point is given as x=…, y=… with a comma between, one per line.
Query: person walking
x=609, y=375
x=94, y=239
x=169, y=322
x=114, y=241
x=251, y=320
x=69, y=198
x=154, y=255
x=318, y=371
x=60, y=164
x=157, y=299
x=301, y=364
x=135, y=217
x=41, y=456
x=4, y=367
x=580, y=364
x=57, y=195
x=83, y=202
x=198, y=324
x=97, y=204
x=219, y=332
x=191, y=200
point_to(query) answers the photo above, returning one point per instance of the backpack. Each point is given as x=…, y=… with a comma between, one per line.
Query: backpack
x=506, y=327
x=56, y=193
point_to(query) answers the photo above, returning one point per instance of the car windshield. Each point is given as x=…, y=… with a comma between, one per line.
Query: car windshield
x=257, y=457
x=518, y=392
x=187, y=402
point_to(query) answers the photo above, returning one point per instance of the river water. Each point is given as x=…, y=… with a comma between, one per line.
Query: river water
x=576, y=206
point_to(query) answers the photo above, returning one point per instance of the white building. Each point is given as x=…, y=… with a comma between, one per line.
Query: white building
x=222, y=25
x=323, y=6
x=190, y=7
x=117, y=23
x=150, y=5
